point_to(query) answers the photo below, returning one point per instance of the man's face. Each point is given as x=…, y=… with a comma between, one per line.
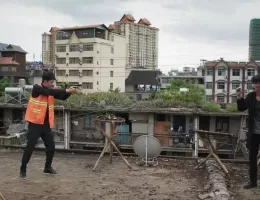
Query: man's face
x=256, y=87
x=49, y=84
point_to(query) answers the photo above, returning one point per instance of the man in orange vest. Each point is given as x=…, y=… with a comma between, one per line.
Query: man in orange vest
x=40, y=117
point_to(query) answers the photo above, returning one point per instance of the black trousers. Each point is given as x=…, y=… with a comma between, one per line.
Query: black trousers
x=253, y=152
x=36, y=131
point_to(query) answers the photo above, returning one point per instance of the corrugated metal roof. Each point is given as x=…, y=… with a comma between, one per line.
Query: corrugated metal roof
x=10, y=47
x=143, y=77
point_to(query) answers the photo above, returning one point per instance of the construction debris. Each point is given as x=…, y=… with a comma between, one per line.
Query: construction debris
x=216, y=186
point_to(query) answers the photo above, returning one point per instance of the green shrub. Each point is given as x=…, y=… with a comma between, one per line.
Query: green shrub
x=231, y=107
x=211, y=107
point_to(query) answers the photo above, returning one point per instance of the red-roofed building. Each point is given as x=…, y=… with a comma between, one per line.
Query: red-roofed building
x=222, y=78
x=12, y=62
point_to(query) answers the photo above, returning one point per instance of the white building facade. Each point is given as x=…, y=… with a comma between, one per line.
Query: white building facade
x=91, y=56
x=222, y=78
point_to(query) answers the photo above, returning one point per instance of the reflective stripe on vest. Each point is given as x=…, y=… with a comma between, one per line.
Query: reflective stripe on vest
x=37, y=107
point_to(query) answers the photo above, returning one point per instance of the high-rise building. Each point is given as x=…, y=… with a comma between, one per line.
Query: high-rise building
x=142, y=41
x=46, y=49
x=254, y=39
x=89, y=55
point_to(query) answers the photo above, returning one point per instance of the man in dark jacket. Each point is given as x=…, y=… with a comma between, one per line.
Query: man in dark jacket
x=40, y=115
x=252, y=104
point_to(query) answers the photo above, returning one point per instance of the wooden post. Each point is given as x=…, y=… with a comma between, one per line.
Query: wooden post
x=112, y=132
x=2, y=197
x=196, y=138
x=101, y=155
x=110, y=141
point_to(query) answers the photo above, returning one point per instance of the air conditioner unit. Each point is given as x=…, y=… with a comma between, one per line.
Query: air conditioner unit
x=80, y=50
x=224, y=91
x=80, y=74
x=226, y=77
x=67, y=54
x=67, y=75
x=80, y=62
x=97, y=52
x=67, y=64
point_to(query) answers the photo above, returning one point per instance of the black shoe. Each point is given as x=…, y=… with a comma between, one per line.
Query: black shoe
x=250, y=185
x=23, y=174
x=50, y=171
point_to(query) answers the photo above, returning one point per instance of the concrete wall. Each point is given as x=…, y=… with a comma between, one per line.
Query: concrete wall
x=234, y=124
x=142, y=123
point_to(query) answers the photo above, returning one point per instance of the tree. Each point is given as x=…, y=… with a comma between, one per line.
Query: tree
x=194, y=95
x=4, y=82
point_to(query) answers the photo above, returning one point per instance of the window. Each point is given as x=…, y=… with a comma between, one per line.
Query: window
x=89, y=121
x=221, y=85
x=63, y=35
x=61, y=48
x=74, y=48
x=220, y=99
x=87, y=85
x=60, y=72
x=112, y=50
x=209, y=72
x=209, y=85
x=87, y=72
x=13, y=69
x=74, y=60
x=111, y=61
x=221, y=72
x=222, y=124
x=4, y=69
x=235, y=72
x=88, y=60
x=73, y=72
x=249, y=86
x=88, y=47
x=233, y=99
x=250, y=72
x=60, y=60
x=208, y=98
x=111, y=74
x=235, y=85
x=111, y=86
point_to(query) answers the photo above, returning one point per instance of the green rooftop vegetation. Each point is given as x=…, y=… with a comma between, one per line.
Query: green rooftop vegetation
x=168, y=98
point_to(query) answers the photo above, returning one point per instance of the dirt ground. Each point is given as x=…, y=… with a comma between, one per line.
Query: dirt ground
x=170, y=180
x=239, y=175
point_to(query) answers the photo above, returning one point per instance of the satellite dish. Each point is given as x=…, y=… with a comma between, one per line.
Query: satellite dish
x=147, y=147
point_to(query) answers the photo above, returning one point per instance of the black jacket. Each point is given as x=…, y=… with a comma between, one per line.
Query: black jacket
x=60, y=94
x=248, y=104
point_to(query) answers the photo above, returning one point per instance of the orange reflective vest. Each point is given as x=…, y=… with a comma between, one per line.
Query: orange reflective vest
x=37, y=107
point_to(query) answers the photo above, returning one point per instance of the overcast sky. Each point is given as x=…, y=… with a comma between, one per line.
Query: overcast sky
x=190, y=30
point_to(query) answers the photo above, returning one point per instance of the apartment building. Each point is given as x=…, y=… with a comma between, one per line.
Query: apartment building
x=47, y=49
x=12, y=62
x=141, y=39
x=89, y=55
x=222, y=78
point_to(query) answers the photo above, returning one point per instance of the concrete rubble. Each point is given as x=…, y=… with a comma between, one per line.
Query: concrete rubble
x=216, y=186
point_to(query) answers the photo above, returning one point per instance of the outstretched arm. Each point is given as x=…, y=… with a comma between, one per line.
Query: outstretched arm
x=61, y=94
